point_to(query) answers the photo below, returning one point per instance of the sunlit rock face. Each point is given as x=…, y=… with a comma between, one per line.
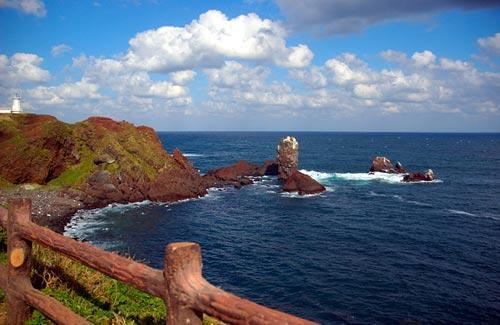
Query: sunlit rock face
x=287, y=157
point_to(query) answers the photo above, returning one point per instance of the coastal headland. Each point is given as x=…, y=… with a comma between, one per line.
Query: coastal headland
x=66, y=167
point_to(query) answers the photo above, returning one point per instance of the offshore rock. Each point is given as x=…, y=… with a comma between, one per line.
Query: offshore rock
x=302, y=184
x=384, y=165
x=287, y=163
x=420, y=177
x=287, y=157
x=236, y=175
x=270, y=167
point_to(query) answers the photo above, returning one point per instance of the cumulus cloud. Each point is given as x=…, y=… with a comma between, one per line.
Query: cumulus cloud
x=58, y=50
x=239, y=86
x=182, y=77
x=64, y=93
x=425, y=58
x=490, y=44
x=416, y=84
x=346, y=16
x=212, y=38
x=118, y=77
x=21, y=68
x=30, y=7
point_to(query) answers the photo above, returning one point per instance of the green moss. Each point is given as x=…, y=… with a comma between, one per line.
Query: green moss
x=76, y=174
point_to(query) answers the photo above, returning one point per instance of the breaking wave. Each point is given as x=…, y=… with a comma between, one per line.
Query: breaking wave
x=329, y=178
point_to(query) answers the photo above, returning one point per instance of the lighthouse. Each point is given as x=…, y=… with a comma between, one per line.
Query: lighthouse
x=16, y=105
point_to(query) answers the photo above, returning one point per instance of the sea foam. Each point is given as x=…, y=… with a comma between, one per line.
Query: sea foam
x=323, y=177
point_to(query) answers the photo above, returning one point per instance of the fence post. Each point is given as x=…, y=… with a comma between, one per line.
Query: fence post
x=19, y=261
x=182, y=268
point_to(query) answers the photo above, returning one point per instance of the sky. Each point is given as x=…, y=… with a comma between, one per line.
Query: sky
x=257, y=65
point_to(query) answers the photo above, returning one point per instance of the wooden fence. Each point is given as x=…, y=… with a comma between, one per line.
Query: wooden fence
x=181, y=285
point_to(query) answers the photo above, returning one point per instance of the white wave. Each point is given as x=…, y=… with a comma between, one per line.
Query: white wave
x=192, y=155
x=383, y=177
x=463, y=213
x=323, y=177
x=399, y=198
x=298, y=196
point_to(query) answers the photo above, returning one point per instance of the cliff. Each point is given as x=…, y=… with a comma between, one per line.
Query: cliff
x=99, y=160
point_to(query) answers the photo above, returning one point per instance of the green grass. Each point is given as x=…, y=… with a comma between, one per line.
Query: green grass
x=96, y=297
x=76, y=174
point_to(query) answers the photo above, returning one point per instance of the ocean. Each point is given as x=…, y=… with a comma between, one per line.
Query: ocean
x=369, y=250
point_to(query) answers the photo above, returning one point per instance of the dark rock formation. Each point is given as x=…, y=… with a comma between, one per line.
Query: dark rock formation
x=302, y=184
x=420, y=176
x=384, y=165
x=287, y=162
x=270, y=167
x=236, y=175
x=288, y=157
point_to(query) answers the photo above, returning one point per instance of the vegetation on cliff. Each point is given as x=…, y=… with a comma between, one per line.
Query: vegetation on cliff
x=40, y=149
x=99, y=160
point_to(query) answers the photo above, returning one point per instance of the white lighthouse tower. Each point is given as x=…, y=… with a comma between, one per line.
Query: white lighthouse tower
x=16, y=105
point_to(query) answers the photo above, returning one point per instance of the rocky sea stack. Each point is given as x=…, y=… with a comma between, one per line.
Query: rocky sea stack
x=288, y=163
x=384, y=165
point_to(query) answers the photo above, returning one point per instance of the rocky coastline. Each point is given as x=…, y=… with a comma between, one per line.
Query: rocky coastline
x=64, y=168
x=67, y=167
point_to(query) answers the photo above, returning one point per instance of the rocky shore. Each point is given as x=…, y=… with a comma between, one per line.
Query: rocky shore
x=66, y=167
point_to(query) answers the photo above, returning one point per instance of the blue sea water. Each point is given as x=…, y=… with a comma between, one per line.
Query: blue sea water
x=369, y=250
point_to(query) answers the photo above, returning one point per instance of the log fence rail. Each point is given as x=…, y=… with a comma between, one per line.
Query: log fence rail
x=187, y=295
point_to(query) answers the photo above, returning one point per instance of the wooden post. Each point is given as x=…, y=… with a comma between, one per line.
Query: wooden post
x=182, y=272
x=19, y=262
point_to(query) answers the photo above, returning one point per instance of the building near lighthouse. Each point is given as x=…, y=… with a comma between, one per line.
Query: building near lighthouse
x=15, y=108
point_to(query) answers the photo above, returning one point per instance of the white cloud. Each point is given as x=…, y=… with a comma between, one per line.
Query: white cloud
x=490, y=44
x=366, y=91
x=425, y=58
x=182, y=77
x=60, y=49
x=30, y=7
x=240, y=86
x=21, y=68
x=313, y=77
x=394, y=56
x=65, y=92
x=124, y=81
x=211, y=39
x=454, y=65
x=452, y=86
x=343, y=74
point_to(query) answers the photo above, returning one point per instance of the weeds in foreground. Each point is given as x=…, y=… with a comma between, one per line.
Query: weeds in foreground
x=97, y=297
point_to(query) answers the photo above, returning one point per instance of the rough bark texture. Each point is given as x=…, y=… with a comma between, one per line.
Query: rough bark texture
x=50, y=307
x=136, y=274
x=182, y=269
x=18, y=311
x=182, y=286
x=192, y=295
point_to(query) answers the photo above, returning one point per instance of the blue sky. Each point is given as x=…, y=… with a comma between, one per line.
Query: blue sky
x=318, y=65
